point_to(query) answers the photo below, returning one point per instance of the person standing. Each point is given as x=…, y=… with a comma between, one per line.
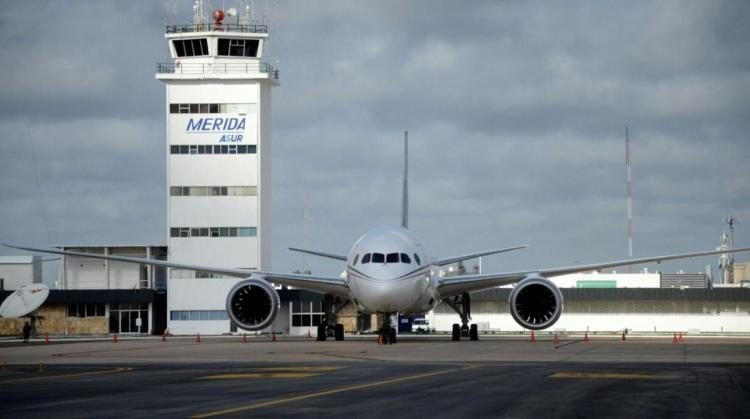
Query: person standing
x=26, y=332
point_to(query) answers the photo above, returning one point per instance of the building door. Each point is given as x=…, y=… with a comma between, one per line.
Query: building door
x=128, y=318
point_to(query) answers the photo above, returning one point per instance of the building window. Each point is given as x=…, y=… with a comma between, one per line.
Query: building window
x=237, y=47
x=213, y=190
x=184, y=232
x=233, y=108
x=215, y=149
x=190, y=47
x=198, y=315
x=306, y=313
x=86, y=310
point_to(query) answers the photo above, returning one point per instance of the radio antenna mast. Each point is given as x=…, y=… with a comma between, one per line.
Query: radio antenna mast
x=630, y=194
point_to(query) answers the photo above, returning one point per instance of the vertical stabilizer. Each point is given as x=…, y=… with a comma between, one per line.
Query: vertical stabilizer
x=405, y=196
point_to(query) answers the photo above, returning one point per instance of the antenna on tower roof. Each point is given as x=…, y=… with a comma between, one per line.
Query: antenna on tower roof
x=200, y=12
x=630, y=194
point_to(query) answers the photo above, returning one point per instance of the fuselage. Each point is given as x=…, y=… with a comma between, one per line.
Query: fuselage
x=389, y=270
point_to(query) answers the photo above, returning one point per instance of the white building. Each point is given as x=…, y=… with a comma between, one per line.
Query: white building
x=17, y=271
x=218, y=104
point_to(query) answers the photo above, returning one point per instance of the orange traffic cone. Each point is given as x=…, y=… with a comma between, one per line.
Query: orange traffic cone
x=198, y=338
x=273, y=336
x=114, y=338
x=679, y=338
x=556, y=340
x=244, y=338
x=380, y=339
x=586, y=337
x=533, y=338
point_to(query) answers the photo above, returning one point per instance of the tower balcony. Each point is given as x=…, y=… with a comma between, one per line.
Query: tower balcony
x=188, y=70
x=213, y=27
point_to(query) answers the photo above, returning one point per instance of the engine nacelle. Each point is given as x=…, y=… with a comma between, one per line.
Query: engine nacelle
x=536, y=303
x=253, y=303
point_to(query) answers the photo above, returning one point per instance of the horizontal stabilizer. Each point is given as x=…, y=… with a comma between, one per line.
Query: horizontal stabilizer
x=448, y=261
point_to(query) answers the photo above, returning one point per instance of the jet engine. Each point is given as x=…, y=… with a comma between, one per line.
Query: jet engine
x=253, y=303
x=536, y=302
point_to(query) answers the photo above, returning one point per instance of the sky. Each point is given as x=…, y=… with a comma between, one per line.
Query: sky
x=516, y=113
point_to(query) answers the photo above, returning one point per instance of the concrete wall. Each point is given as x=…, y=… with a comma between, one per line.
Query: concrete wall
x=56, y=322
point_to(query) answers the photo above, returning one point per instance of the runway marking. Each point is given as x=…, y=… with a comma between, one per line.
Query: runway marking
x=302, y=368
x=75, y=375
x=608, y=375
x=327, y=393
x=249, y=375
x=303, y=371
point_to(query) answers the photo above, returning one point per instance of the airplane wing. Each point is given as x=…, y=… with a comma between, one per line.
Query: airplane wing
x=321, y=254
x=327, y=285
x=454, y=285
x=454, y=259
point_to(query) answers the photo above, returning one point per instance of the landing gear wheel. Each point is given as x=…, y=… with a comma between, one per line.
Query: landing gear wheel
x=456, y=332
x=339, y=333
x=465, y=331
x=393, y=338
x=384, y=336
x=473, y=332
x=321, y=332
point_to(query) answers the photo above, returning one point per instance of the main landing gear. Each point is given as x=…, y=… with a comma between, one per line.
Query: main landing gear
x=329, y=327
x=461, y=304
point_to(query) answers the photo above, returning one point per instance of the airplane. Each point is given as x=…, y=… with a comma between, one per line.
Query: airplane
x=389, y=270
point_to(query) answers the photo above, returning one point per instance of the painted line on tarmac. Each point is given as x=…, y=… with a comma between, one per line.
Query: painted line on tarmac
x=327, y=393
x=56, y=376
x=322, y=368
x=609, y=376
x=303, y=371
x=568, y=343
x=254, y=375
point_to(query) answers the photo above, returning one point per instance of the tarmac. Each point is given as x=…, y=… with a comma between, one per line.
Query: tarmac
x=506, y=377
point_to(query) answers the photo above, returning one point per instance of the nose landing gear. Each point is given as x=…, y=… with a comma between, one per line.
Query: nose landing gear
x=387, y=333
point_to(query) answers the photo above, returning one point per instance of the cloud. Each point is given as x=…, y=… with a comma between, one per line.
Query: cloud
x=516, y=114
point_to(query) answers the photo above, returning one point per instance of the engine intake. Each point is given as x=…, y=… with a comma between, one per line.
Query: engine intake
x=536, y=303
x=253, y=304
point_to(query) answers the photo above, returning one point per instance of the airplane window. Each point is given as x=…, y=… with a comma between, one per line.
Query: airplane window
x=356, y=258
x=405, y=258
x=366, y=258
x=378, y=258
x=392, y=258
x=416, y=258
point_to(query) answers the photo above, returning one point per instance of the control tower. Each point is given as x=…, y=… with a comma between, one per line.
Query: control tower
x=218, y=107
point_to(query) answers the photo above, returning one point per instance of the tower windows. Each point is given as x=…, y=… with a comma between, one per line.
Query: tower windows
x=238, y=47
x=213, y=149
x=185, y=232
x=213, y=191
x=238, y=108
x=190, y=47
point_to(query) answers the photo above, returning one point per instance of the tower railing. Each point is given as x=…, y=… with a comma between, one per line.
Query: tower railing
x=211, y=27
x=218, y=68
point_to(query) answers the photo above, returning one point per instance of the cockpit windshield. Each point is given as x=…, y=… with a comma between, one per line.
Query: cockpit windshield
x=387, y=258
